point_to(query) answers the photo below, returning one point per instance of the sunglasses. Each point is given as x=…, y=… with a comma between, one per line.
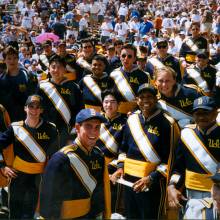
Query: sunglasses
x=129, y=56
x=161, y=46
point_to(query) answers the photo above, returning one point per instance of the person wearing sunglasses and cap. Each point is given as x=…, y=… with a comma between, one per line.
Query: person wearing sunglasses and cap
x=149, y=138
x=128, y=78
x=163, y=59
x=196, y=156
x=73, y=185
x=209, y=207
x=34, y=141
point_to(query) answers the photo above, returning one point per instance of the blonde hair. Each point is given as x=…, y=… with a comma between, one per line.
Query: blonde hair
x=166, y=69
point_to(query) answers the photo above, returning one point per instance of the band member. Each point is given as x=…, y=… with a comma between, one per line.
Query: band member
x=110, y=139
x=128, y=78
x=209, y=207
x=201, y=74
x=93, y=85
x=34, y=141
x=78, y=169
x=175, y=98
x=148, y=140
x=193, y=45
x=163, y=59
x=197, y=154
x=46, y=55
x=62, y=98
x=16, y=85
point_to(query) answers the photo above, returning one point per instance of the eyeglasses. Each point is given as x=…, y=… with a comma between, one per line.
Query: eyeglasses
x=129, y=56
x=162, y=46
x=86, y=47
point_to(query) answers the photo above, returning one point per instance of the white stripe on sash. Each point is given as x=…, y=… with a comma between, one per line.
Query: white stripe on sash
x=217, y=81
x=175, y=113
x=82, y=170
x=44, y=60
x=141, y=139
x=156, y=63
x=57, y=100
x=93, y=87
x=198, y=78
x=83, y=63
x=123, y=85
x=108, y=139
x=192, y=46
x=198, y=150
x=31, y=145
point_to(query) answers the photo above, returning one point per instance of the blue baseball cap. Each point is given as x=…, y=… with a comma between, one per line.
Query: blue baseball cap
x=204, y=102
x=87, y=114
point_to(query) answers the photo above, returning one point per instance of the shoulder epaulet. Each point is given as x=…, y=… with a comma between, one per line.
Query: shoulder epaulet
x=169, y=118
x=17, y=123
x=192, y=126
x=69, y=148
x=207, y=202
x=192, y=86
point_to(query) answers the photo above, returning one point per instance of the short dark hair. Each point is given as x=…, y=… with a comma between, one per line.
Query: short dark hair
x=57, y=59
x=10, y=50
x=130, y=47
x=87, y=40
x=101, y=58
x=111, y=92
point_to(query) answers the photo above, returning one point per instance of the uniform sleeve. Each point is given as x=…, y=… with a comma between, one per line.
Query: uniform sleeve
x=52, y=187
x=6, y=138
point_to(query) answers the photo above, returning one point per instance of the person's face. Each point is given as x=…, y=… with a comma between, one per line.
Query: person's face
x=88, y=132
x=11, y=61
x=127, y=58
x=141, y=63
x=216, y=198
x=201, y=62
x=57, y=71
x=165, y=82
x=98, y=68
x=33, y=110
x=195, y=30
x=61, y=49
x=204, y=118
x=87, y=49
x=146, y=102
x=47, y=49
x=162, y=49
x=110, y=105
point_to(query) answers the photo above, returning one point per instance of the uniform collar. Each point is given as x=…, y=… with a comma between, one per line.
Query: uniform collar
x=135, y=67
x=158, y=111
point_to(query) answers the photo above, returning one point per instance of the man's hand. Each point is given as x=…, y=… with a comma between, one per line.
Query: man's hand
x=174, y=197
x=116, y=175
x=9, y=172
x=142, y=184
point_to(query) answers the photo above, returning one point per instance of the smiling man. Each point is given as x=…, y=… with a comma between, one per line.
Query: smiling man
x=197, y=154
x=34, y=141
x=73, y=185
x=128, y=78
x=149, y=137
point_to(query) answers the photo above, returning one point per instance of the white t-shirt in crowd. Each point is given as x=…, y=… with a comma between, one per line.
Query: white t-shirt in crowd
x=121, y=29
x=105, y=27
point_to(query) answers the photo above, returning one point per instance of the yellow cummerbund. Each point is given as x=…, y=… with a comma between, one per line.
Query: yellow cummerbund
x=138, y=168
x=70, y=76
x=95, y=107
x=27, y=167
x=125, y=107
x=75, y=208
x=198, y=181
x=190, y=58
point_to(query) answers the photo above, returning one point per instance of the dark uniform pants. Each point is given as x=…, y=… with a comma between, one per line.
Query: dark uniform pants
x=145, y=205
x=23, y=196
